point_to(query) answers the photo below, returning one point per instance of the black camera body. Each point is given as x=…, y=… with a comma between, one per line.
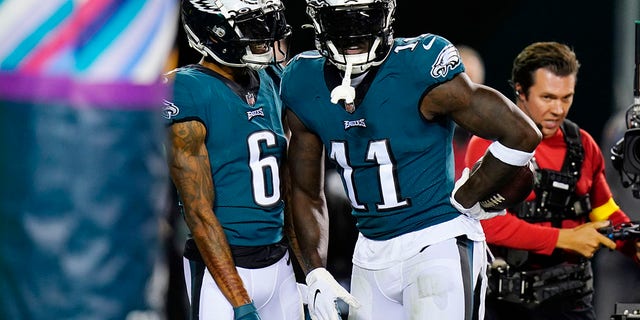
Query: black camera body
x=625, y=154
x=631, y=158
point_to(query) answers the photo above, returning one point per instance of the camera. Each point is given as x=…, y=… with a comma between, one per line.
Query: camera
x=624, y=311
x=625, y=154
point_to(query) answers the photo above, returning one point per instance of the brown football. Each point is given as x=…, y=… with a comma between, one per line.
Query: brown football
x=516, y=190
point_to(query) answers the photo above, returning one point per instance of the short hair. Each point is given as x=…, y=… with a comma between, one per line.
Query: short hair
x=553, y=56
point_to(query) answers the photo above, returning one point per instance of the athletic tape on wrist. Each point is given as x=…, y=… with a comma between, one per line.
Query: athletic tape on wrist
x=509, y=156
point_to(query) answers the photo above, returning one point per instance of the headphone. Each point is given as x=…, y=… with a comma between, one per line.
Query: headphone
x=518, y=94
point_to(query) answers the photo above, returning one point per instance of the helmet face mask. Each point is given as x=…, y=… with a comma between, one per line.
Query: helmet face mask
x=359, y=32
x=235, y=33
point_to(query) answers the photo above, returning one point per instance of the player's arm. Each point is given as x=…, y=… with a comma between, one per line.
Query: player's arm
x=285, y=179
x=190, y=171
x=487, y=113
x=307, y=200
x=310, y=218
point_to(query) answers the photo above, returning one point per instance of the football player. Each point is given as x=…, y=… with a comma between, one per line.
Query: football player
x=383, y=109
x=226, y=145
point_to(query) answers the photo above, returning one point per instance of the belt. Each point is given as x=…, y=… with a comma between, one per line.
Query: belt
x=532, y=288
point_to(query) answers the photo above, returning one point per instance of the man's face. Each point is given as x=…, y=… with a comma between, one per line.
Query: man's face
x=549, y=100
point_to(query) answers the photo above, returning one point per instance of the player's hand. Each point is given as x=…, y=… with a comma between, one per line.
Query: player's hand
x=323, y=292
x=585, y=239
x=246, y=312
x=476, y=210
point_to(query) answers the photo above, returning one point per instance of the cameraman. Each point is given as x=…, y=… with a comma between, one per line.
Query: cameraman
x=547, y=241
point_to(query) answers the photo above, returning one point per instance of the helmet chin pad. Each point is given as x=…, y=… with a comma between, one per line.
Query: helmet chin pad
x=258, y=61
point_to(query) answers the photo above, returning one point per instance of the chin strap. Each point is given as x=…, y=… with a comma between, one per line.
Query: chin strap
x=344, y=91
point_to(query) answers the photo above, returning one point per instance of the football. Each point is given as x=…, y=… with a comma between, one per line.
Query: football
x=516, y=190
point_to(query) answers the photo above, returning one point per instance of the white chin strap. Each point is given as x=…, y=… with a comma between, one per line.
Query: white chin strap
x=344, y=91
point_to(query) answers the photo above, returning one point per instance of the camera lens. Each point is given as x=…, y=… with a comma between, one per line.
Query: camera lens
x=631, y=160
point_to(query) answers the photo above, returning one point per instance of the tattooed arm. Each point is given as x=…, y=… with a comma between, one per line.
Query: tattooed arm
x=191, y=173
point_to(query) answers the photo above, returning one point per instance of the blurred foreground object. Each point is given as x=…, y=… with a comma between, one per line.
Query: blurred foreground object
x=83, y=176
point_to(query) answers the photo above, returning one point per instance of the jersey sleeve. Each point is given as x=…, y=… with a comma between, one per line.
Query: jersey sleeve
x=287, y=81
x=435, y=58
x=184, y=104
x=301, y=74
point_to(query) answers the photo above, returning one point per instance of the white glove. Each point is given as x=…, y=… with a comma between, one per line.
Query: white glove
x=476, y=211
x=323, y=292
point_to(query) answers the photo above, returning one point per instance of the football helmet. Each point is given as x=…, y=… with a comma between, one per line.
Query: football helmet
x=236, y=33
x=353, y=32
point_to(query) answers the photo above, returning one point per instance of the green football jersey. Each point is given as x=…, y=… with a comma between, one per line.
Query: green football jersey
x=397, y=168
x=246, y=143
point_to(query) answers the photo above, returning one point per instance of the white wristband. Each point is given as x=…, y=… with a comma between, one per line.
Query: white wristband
x=510, y=156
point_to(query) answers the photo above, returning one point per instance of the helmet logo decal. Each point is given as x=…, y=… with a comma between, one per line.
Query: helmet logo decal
x=208, y=6
x=170, y=110
x=447, y=59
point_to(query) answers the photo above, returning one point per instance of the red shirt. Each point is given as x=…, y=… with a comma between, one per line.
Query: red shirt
x=541, y=238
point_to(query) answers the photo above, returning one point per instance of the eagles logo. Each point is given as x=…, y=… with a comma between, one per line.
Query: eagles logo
x=207, y=6
x=170, y=110
x=215, y=6
x=447, y=59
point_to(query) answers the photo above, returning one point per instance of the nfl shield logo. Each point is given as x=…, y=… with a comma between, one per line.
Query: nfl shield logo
x=250, y=98
x=350, y=107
